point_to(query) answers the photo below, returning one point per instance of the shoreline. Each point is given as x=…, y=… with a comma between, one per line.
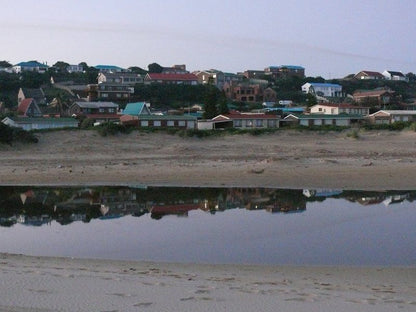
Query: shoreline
x=30, y=283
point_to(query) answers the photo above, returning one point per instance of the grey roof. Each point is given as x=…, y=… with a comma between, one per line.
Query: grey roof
x=397, y=112
x=96, y=104
x=33, y=93
x=167, y=117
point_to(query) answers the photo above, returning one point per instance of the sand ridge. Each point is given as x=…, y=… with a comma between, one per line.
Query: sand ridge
x=377, y=160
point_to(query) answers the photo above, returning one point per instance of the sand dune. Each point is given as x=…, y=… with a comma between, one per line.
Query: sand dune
x=291, y=159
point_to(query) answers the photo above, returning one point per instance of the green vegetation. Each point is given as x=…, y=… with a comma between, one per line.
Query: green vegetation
x=10, y=135
x=109, y=128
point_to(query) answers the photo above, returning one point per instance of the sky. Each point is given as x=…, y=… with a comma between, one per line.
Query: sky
x=330, y=38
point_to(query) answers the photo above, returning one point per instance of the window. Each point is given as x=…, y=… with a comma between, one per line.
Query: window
x=171, y=123
x=111, y=110
x=104, y=95
x=101, y=110
x=237, y=123
x=259, y=123
x=249, y=123
x=181, y=123
x=157, y=123
x=144, y=123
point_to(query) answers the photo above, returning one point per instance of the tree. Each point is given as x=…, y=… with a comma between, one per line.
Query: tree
x=222, y=104
x=61, y=66
x=5, y=64
x=155, y=68
x=138, y=70
x=211, y=101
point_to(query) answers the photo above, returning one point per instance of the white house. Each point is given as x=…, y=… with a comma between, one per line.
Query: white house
x=30, y=66
x=323, y=89
x=336, y=109
x=75, y=68
x=391, y=116
x=395, y=75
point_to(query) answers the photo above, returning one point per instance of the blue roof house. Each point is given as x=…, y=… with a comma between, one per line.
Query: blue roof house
x=323, y=89
x=136, y=109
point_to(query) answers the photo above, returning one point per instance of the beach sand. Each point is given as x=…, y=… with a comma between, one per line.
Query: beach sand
x=376, y=160
x=61, y=284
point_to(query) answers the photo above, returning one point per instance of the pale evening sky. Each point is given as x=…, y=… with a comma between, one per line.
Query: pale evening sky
x=330, y=38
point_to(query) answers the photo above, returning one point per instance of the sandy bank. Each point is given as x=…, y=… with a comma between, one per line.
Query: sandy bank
x=60, y=284
x=288, y=159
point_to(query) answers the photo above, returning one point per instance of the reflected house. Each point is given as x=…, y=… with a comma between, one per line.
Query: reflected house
x=321, y=193
x=158, y=211
x=395, y=199
x=34, y=220
x=371, y=200
x=286, y=207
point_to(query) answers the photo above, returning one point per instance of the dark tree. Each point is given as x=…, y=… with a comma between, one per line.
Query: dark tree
x=138, y=70
x=155, y=68
x=222, y=104
x=61, y=66
x=211, y=100
x=5, y=64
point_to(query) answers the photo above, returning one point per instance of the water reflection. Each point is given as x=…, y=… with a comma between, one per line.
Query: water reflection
x=37, y=206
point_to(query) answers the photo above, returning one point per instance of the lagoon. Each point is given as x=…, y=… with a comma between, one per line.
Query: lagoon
x=211, y=225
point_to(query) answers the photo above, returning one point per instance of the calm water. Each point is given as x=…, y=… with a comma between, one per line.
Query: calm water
x=214, y=225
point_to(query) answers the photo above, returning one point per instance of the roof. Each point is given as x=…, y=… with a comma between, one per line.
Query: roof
x=371, y=73
x=172, y=77
x=33, y=93
x=396, y=112
x=32, y=64
x=395, y=73
x=108, y=67
x=340, y=105
x=238, y=115
x=29, y=120
x=372, y=92
x=292, y=67
x=320, y=84
x=134, y=108
x=24, y=105
x=322, y=116
x=166, y=117
x=96, y=104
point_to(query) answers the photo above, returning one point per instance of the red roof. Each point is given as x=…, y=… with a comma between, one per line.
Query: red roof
x=173, y=77
x=23, y=106
x=372, y=93
x=372, y=73
x=103, y=116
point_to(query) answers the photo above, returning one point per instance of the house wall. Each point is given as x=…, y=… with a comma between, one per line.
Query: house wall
x=166, y=123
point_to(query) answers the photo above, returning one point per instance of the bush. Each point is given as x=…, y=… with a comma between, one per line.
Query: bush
x=8, y=135
x=110, y=128
x=353, y=134
x=87, y=123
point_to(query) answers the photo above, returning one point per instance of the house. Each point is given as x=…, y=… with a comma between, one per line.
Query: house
x=233, y=78
x=136, y=109
x=110, y=69
x=175, y=69
x=391, y=116
x=323, y=89
x=33, y=66
x=378, y=96
x=244, y=92
x=239, y=120
x=253, y=73
x=211, y=76
x=285, y=71
x=99, y=111
x=28, y=108
x=269, y=95
x=75, y=68
x=395, y=75
x=160, y=121
x=308, y=120
x=336, y=109
x=33, y=123
x=186, y=79
x=109, y=92
x=369, y=75
x=36, y=94
x=120, y=78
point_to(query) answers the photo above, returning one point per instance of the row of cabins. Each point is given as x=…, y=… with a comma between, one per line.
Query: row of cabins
x=139, y=115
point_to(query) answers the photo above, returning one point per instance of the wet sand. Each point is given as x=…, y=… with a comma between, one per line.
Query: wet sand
x=58, y=284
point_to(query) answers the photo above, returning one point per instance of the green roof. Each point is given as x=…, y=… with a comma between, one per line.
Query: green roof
x=323, y=116
x=134, y=109
x=43, y=120
x=166, y=117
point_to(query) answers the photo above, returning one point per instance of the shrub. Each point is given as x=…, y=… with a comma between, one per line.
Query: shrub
x=110, y=128
x=8, y=135
x=353, y=134
x=87, y=123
